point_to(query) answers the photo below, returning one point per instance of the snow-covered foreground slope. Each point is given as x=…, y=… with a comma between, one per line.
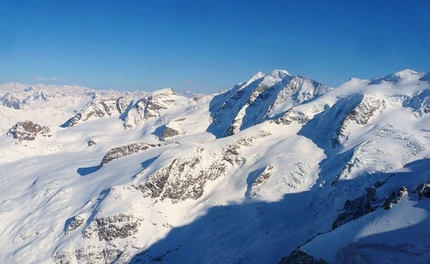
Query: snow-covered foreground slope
x=279, y=169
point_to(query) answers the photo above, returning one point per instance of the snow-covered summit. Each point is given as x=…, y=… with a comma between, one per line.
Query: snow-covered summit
x=280, y=73
x=403, y=76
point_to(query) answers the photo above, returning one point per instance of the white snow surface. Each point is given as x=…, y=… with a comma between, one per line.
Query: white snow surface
x=244, y=176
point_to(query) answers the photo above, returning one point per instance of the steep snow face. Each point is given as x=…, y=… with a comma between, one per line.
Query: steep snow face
x=261, y=99
x=274, y=169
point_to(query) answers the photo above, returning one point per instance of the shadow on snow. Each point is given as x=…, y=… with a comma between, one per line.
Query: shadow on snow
x=264, y=232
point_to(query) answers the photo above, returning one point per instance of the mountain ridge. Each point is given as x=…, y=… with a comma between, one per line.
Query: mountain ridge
x=270, y=171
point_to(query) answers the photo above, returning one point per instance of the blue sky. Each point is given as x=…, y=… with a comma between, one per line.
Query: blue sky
x=207, y=46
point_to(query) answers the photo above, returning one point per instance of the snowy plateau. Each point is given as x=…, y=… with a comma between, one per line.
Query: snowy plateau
x=278, y=169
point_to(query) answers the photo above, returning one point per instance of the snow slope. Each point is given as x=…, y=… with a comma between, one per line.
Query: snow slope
x=279, y=164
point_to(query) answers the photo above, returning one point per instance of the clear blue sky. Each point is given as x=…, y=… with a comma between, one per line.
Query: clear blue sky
x=207, y=46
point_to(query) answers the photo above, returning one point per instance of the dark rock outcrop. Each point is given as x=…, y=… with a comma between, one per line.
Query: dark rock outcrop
x=185, y=178
x=27, y=130
x=231, y=152
x=91, y=143
x=148, y=107
x=99, y=108
x=122, y=104
x=113, y=227
x=261, y=98
x=182, y=179
x=291, y=116
x=363, y=109
x=168, y=132
x=73, y=223
x=124, y=151
x=356, y=208
x=72, y=121
x=263, y=177
x=300, y=257
x=424, y=190
x=395, y=198
x=419, y=102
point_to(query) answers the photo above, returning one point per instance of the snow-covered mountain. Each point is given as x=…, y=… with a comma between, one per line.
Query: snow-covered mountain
x=279, y=169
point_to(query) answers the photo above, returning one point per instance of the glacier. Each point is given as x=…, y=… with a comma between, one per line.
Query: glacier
x=278, y=169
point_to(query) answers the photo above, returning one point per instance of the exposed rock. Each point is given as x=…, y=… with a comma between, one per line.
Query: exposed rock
x=419, y=102
x=61, y=257
x=424, y=190
x=395, y=198
x=149, y=107
x=72, y=121
x=300, y=89
x=300, y=257
x=10, y=101
x=181, y=179
x=231, y=152
x=101, y=255
x=91, y=143
x=99, y=108
x=257, y=178
x=263, y=176
x=185, y=178
x=113, y=227
x=122, y=104
x=92, y=254
x=261, y=98
x=27, y=130
x=356, y=208
x=173, y=128
x=73, y=223
x=291, y=116
x=157, y=181
x=124, y=151
x=363, y=109
x=147, y=257
x=169, y=132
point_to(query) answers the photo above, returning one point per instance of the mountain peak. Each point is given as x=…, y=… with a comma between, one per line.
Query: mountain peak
x=403, y=76
x=256, y=76
x=280, y=73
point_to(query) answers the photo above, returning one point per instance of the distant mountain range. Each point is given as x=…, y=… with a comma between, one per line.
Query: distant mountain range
x=279, y=169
